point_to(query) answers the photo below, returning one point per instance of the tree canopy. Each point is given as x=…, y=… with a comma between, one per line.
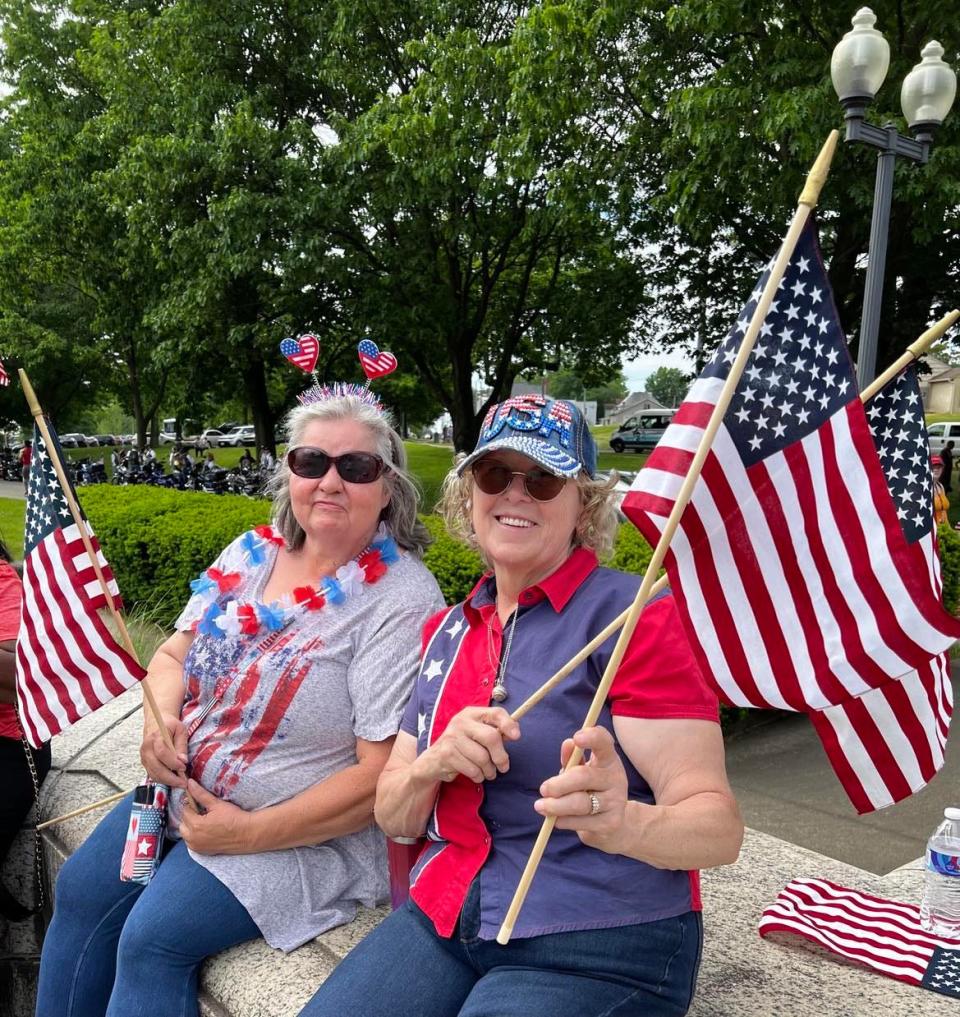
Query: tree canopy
x=668, y=385
x=484, y=189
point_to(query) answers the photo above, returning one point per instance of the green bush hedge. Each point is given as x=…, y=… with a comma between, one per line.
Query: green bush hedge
x=949, y=541
x=158, y=540
x=456, y=566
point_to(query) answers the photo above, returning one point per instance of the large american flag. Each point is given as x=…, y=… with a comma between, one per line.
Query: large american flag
x=897, y=733
x=882, y=934
x=798, y=586
x=68, y=663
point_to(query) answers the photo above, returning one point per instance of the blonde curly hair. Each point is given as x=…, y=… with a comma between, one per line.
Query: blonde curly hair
x=596, y=526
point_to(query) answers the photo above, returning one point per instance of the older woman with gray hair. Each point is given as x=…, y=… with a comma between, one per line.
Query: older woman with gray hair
x=282, y=690
x=611, y=924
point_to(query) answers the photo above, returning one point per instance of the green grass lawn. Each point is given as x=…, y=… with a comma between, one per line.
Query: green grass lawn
x=11, y=525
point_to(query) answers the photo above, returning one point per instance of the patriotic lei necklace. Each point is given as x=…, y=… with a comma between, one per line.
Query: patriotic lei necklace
x=249, y=617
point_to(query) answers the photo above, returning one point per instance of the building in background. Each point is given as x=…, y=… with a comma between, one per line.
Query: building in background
x=940, y=389
x=635, y=403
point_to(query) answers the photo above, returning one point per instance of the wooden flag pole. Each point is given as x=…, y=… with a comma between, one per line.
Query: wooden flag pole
x=808, y=199
x=103, y=803
x=85, y=537
x=598, y=640
x=913, y=352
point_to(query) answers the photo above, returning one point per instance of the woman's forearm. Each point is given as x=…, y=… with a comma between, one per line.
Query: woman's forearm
x=8, y=671
x=339, y=805
x=697, y=833
x=165, y=677
x=405, y=799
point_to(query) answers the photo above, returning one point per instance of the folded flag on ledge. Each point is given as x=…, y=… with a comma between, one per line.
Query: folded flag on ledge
x=881, y=934
x=68, y=662
x=796, y=579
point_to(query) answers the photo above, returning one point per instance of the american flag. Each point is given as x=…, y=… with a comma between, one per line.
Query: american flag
x=68, y=663
x=4, y=377
x=897, y=733
x=797, y=584
x=880, y=934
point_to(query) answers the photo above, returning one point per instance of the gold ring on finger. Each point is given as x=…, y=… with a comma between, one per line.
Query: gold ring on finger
x=594, y=802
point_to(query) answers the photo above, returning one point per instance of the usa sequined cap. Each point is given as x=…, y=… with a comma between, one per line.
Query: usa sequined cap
x=551, y=432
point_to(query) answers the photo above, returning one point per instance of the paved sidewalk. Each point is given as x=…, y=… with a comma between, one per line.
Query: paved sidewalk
x=786, y=788
x=11, y=489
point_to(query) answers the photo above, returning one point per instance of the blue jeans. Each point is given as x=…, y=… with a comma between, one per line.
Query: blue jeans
x=126, y=950
x=404, y=969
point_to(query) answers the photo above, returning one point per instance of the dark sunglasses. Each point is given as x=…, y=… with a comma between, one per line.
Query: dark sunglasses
x=493, y=477
x=353, y=467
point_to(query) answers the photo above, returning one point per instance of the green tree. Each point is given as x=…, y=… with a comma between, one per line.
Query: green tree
x=564, y=384
x=73, y=293
x=668, y=385
x=723, y=108
x=475, y=208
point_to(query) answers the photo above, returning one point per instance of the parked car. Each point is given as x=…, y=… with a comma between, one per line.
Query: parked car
x=228, y=425
x=91, y=441
x=210, y=438
x=244, y=435
x=642, y=432
x=106, y=439
x=73, y=440
x=941, y=433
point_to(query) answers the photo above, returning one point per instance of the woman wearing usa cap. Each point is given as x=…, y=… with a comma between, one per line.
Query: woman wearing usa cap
x=611, y=924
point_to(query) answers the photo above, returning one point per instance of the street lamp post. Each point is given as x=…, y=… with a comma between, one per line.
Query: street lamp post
x=859, y=64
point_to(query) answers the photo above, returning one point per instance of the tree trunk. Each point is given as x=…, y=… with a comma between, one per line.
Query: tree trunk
x=466, y=422
x=255, y=383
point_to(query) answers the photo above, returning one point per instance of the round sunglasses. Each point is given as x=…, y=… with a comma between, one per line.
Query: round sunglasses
x=494, y=477
x=353, y=467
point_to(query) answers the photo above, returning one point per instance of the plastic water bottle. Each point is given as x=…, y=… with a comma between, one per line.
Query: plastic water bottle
x=940, y=908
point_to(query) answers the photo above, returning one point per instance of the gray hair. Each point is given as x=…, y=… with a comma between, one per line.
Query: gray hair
x=597, y=524
x=400, y=514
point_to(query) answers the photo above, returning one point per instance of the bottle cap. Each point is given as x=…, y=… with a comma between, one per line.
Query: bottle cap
x=952, y=814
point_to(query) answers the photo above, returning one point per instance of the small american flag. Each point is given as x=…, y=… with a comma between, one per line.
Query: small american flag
x=68, y=663
x=797, y=583
x=4, y=377
x=881, y=934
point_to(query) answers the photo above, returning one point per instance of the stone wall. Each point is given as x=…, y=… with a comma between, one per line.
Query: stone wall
x=741, y=974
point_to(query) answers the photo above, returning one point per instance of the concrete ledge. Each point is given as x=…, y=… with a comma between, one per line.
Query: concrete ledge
x=741, y=974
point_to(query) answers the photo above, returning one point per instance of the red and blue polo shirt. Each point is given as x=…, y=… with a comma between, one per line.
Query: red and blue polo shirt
x=486, y=830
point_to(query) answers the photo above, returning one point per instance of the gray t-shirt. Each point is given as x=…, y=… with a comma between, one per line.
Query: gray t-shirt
x=289, y=719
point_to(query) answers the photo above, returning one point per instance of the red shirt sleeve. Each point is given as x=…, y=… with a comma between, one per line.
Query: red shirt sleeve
x=11, y=593
x=430, y=626
x=659, y=677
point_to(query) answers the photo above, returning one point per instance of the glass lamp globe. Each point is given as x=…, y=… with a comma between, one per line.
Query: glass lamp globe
x=860, y=61
x=928, y=90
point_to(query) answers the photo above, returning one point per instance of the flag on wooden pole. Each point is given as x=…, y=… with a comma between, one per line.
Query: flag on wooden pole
x=889, y=742
x=792, y=573
x=68, y=662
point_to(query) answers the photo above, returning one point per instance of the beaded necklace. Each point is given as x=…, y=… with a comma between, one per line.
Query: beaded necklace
x=234, y=617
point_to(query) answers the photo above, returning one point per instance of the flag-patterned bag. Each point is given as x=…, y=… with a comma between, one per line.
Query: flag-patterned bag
x=143, y=848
